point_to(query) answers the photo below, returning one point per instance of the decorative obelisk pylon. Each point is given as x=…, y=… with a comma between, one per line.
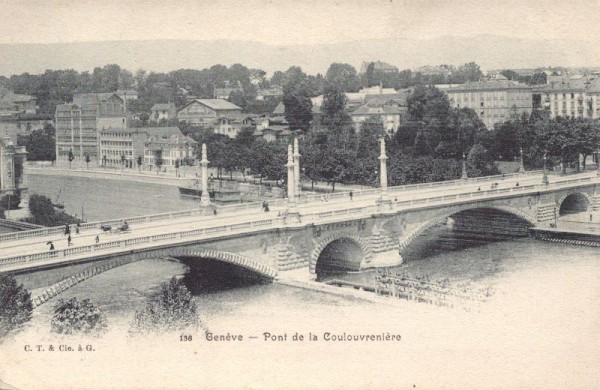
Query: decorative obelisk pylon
x=464, y=175
x=291, y=185
x=297, y=168
x=383, y=170
x=205, y=200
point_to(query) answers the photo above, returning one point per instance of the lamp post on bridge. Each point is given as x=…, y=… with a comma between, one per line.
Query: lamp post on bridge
x=464, y=175
x=292, y=211
x=545, y=177
x=522, y=167
x=205, y=199
x=598, y=162
x=383, y=172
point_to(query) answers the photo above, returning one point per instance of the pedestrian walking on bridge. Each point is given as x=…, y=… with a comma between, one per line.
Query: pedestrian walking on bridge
x=69, y=243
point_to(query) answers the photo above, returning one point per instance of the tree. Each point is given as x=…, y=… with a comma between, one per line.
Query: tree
x=15, y=305
x=539, y=78
x=158, y=160
x=172, y=310
x=177, y=168
x=368, y=75
x=298, y=107
x=11, y=201
x=480, y=162
x=468, y=72
x=365, y=165
x=71, y=158
x=122, y=162
x=343, y=77
x=333, y=110
x=73, y=317
x=43, y=213
x=39, y=144
x=87, y=161
x=139, y=163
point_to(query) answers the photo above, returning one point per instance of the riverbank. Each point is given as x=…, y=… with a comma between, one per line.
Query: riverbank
x=149, y=178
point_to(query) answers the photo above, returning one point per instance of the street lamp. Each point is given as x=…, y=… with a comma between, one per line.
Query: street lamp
x=598, y=162
x=522, y=167
x=464, y=175
x=545, y=178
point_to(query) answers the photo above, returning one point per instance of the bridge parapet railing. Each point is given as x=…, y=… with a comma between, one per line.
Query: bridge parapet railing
x=271, y=221
x=86, y=226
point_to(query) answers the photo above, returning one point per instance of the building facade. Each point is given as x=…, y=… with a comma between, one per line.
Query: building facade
x=163, y=111
x=13, y=103
x=571, y=98
x=231, y=126
x=205, y=112
x=390, y=113
x=493, y=101
x=78, y=124
x=122, y=147
x=119, y=147
x=171, y=149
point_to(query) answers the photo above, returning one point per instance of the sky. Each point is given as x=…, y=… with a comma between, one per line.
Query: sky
x=293, y=22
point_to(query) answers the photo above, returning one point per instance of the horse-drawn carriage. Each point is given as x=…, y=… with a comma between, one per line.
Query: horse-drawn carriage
x=119, y=229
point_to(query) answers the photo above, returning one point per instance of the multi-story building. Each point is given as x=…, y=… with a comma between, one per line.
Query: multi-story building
x=378, y=66
x=390, y=113
x=170, y=144
x=205, y=112
x=274, y=92
x=272, y=128
x=122, y=147
x=116, y=143
x=13, y=103
x=494, y=101
x=163, y=111
x=78, y=124
x=127, y=94
x=574, y=98
x=231, y=126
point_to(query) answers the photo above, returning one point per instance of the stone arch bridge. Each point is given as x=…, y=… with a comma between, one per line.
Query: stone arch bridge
x=371, y=229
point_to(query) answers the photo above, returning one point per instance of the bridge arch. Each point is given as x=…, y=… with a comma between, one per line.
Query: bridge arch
x=574, y=202
x=355, y=240
x=228, y=257
x=442, y=216
x=78, y=277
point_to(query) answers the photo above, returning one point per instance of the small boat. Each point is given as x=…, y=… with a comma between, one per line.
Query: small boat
x=191, y=191
x=56, y=204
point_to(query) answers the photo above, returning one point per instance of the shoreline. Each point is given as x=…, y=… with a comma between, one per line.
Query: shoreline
x=120, y=176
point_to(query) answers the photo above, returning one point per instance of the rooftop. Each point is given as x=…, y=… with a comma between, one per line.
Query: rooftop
x=215, y=104
x=489, y=85
x=163, y=106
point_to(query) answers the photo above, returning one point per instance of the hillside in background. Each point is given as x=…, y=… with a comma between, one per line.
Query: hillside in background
x=490, y=52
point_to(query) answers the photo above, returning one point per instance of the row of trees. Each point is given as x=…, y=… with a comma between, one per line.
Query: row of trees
x=56, y=86
x=428, y=147
x=563, y=140
x=172, y=310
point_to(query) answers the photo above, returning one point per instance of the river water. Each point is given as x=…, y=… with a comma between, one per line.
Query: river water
x=540, y=329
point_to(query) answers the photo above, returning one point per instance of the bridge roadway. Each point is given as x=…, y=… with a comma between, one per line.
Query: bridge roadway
x=38, y=244
x=13, y=251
